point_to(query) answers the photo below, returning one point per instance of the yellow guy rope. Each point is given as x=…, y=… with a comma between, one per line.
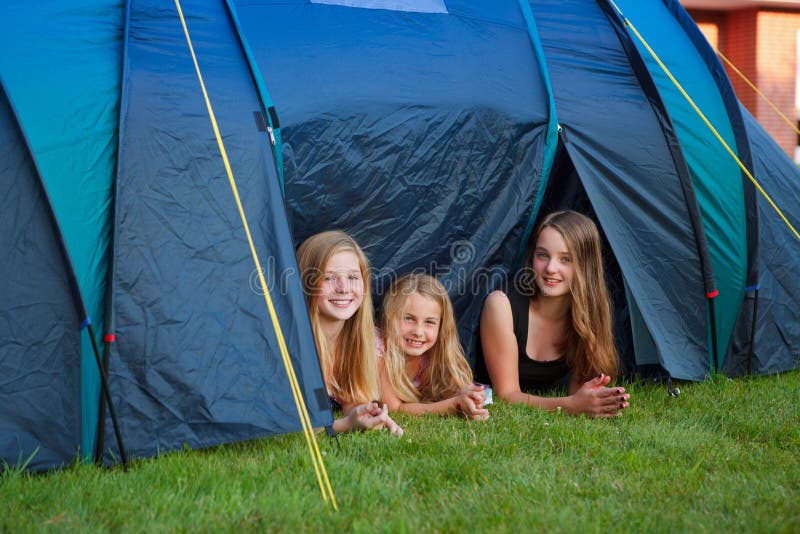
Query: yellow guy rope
x=758, y=91
x=706, y=121
x=308, y=431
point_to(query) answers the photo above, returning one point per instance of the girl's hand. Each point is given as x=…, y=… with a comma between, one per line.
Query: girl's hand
x=595, y=399
x=371, y=416
x=470, y=402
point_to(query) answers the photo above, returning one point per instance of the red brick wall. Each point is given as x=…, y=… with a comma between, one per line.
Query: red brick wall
x=762, y=44
x=777, y=67
x=711, y=23
x=739, y=47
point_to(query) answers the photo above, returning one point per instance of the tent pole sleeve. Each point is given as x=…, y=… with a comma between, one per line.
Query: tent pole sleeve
x=551, y=141
x=269, y=111
x=682, y=168
x=109, y=323
x=690, y=198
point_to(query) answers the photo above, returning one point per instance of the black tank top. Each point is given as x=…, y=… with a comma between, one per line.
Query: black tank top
x=533, y=375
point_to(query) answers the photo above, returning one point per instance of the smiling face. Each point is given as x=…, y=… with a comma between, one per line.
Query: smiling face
x=553, y=264
x=342, y=288
x=419, y=324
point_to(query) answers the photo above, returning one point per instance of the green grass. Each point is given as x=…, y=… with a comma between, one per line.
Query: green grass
x=724, y=456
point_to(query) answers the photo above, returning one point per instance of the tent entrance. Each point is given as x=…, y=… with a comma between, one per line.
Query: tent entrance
x=637, y=349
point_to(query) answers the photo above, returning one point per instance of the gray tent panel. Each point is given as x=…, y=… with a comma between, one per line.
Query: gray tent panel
x=39, y=335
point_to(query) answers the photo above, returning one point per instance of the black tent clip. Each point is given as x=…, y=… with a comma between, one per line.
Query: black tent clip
x=333, y=435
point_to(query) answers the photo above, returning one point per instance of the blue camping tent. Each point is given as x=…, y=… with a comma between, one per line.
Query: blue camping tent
x=437, y=132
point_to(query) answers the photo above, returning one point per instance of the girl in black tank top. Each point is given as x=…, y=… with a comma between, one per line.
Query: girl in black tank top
x=568, y=307
x=534, y=375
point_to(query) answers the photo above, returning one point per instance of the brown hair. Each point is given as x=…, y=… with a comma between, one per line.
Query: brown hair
x=349, y=367
x=589, y=347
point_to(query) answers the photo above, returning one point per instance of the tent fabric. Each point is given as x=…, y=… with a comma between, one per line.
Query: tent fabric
x=740, y=131
x=39, y=334
x=551, y=140
x=776, y=345
x=430, y=164
x=65, y=88
x=716, y=176
x=211, y=371
x=634, y=187
x=429, y=130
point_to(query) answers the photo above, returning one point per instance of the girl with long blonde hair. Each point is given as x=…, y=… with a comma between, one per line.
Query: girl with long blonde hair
x=559, y=325
x=335, y=277
x=423, y=368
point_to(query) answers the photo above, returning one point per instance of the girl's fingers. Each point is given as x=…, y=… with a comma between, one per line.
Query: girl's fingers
x=611, y=396
x=622, y=400
x=609, y=399
x=389, y=424
x=397, y=430
x=477, y=396
x=469, y=406
x=369, y=421
x=476, y=411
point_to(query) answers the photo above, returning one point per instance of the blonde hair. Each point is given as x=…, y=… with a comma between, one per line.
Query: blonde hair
x=589, y=346
x=349, y=367
x=447, y=371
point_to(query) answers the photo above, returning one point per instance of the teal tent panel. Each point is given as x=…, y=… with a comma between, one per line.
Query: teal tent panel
x=61, y=63
x=715, y=174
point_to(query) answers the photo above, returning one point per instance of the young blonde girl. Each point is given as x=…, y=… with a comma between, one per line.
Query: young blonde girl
x=335, y=277
x=423, y=369
x=558, y=326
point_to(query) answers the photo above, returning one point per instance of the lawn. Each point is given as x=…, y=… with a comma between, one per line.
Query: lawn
x=723, y=456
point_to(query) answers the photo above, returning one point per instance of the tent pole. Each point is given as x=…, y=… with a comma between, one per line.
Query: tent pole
x=107, y=395
x=752, y=334
x=101, y=417
x=713, y=320
x=108, y=321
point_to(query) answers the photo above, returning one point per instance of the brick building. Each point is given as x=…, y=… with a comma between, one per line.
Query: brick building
x=762, y=39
